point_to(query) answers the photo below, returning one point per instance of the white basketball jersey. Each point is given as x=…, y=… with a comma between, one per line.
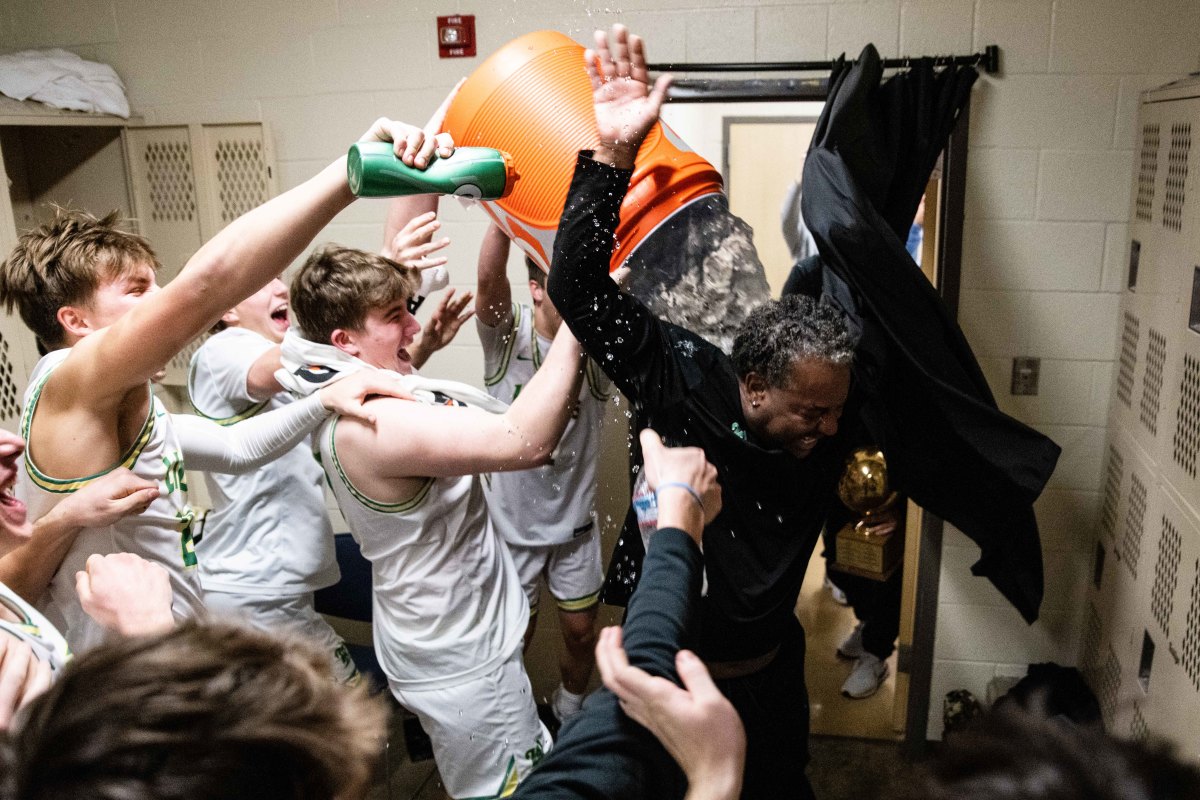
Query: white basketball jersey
x=162, y=534
x=448, y=606
x=28, y=625
x=554, y=503
x=268, y=532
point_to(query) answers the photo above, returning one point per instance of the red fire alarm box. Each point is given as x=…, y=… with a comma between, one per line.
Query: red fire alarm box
x=456, y=36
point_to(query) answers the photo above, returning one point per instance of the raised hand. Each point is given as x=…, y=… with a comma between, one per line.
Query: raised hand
x=23, y=676
x=107, y=499
x=626, y=104
x=696, y=724
x=689, y=496
x=414, y=146
x=414, y=245
x=348, y=396
x=442, y=326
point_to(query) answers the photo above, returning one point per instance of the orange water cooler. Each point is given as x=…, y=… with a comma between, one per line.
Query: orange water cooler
x=533, y=100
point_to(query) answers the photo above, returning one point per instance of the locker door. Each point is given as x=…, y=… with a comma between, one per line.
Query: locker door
x=236, y=172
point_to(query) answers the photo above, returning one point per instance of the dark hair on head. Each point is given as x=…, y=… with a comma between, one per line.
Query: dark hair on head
x=62, y=263
x=1012, y=754
x=338, y=286
x=204, y=711
x=536, y=273
x=779, y=332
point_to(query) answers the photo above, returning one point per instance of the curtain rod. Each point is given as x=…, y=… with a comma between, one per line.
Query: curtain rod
x=988, y=60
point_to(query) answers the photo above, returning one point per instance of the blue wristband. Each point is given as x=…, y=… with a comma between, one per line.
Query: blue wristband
x=681, y=485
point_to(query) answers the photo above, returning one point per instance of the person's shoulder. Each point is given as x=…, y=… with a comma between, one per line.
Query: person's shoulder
x=694, y=348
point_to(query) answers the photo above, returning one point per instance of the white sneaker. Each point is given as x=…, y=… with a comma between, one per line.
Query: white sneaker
x=852, y=646
x=865, y=679
x=837, y=594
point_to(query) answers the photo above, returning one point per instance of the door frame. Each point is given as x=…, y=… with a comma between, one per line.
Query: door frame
x=917, y=660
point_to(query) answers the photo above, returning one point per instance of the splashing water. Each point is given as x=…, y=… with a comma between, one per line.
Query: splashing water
x=700, y=271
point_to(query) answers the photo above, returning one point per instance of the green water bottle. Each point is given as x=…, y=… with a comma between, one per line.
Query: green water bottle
x=480, y=173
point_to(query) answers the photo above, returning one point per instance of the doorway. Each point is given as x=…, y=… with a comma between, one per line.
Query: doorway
x=760, y=148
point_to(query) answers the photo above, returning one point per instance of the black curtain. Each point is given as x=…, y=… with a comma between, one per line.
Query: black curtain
x=924, y=398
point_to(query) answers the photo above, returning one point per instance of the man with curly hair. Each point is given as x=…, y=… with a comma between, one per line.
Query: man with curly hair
x=766, y=417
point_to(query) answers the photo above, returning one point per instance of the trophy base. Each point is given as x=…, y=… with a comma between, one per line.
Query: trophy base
x=873, y=557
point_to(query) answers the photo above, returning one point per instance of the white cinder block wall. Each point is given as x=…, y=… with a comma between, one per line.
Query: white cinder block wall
x=1050, y=165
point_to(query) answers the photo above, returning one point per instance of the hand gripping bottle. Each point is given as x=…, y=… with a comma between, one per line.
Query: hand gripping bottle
x=479, y=173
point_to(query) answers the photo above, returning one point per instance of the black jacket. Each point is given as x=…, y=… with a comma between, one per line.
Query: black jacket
x=925, y=399
x=757, y=549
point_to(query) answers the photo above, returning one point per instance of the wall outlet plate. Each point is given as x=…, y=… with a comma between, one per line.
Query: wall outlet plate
x=1025, y=375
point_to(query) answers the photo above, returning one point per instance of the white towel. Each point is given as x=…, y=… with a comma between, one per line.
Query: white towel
x=62, y=79
x=307, y=366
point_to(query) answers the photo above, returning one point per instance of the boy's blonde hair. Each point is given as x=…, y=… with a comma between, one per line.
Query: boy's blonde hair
x=338, y=286
x=62, y=263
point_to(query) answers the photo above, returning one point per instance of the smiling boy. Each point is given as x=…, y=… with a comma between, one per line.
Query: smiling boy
x=449, y=611
x=88, y=291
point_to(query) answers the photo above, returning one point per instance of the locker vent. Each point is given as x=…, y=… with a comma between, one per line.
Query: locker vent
x=1147, y=171
x=183, y=359
x=1091, y=640
x=169, y=176
x=1187, y=416
x=1112, y=492
x=1156, y=358
x=10, y=397
x=241, y=177
x=1135, y=521
x=1108, y=687
x=1191, y=633
x=1166, y=574
x=1129, y=346
x=1138, y=730
x=1177, y=170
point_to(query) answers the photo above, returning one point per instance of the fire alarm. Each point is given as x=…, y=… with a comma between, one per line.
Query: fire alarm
x=456, y=36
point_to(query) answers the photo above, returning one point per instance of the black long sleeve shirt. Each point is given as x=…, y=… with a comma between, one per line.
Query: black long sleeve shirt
x=757, y=549
x=601, y=753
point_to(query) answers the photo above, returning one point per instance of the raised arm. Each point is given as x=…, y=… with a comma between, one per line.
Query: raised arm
x=244, y=256
x=260, y=378
x=443, y=325
x=414, y=440
x=248, y=445
x=602, y=754
x=694, y=722
x=493, y=295
x=408, y=235
x=615, y=329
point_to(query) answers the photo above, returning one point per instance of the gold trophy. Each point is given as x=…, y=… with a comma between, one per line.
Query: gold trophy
x=864, y=488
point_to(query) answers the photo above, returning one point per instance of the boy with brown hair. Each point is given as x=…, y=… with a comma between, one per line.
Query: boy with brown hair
x=268, y=544
x=89, y=289
x=449, y=612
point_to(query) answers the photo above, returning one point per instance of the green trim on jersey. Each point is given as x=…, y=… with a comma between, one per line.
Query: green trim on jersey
x=509, y=345
x=69, y=485
x=374, y=505
x=233, y=419
x=507, y=786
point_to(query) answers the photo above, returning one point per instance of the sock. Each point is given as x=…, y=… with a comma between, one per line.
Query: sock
x=566, y=703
